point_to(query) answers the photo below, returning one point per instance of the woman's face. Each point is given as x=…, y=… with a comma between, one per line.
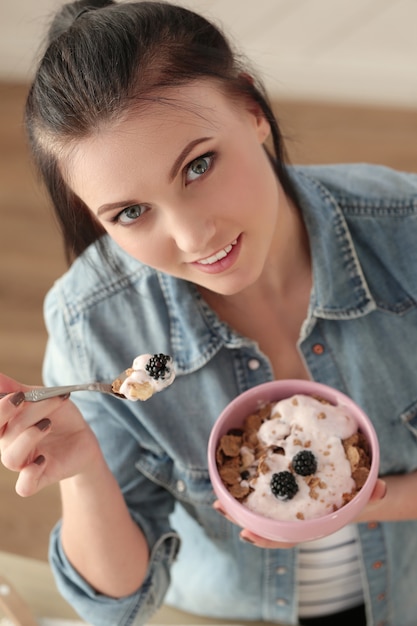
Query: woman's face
x=185, y=187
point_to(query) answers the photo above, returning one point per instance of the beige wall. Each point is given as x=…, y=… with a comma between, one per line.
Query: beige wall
x=362, y=51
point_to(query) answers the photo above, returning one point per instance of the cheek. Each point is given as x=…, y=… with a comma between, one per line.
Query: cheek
x=251, y=186
x=149, y=249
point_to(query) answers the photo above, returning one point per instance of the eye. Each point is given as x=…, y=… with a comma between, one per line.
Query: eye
x=130, y=214
x=200, y=166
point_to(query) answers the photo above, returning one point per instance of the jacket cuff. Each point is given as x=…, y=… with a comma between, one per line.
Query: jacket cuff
x=101, y=610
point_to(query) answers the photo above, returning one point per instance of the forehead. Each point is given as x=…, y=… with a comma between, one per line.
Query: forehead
x=153, y=131
x=166, y=118
x=200, y=103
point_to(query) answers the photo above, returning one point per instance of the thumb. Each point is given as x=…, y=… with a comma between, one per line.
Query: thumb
x=8, y=384
x=379, y=491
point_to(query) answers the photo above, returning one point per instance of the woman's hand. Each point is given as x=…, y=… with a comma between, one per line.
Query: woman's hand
x=45, y=441
x=371, y=511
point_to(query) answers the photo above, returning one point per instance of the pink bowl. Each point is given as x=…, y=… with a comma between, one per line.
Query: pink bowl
x=300, y=530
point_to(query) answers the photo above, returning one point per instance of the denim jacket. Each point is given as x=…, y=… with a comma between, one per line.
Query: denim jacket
x=360, y=336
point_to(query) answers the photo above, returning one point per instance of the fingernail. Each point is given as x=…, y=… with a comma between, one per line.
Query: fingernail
x=65, y=396
x=17, y=398
x=246, y=539
x=43, y=424
x=39, y=459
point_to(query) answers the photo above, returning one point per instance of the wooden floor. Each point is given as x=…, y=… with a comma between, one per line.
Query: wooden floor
x=31, y=257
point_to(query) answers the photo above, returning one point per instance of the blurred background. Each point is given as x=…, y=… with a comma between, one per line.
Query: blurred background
x=342, y=77
x=356, y=51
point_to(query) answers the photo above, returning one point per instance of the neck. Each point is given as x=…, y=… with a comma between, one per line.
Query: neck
x=288, y=263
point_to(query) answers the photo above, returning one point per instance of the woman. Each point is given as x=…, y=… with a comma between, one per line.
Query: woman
x=187, y=236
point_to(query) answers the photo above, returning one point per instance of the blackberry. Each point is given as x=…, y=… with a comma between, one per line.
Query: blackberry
x=157, y=366
x=283, y=485
x=304, y=463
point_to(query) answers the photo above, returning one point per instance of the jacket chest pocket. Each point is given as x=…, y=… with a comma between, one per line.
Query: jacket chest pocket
x=190, y=487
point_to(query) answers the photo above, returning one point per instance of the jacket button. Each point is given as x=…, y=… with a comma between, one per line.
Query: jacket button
x=180, y=486
x=281, y=602
x=373, y=525
x=281, y=570
x=377, y=564
x=253, y=364
x=318, y=348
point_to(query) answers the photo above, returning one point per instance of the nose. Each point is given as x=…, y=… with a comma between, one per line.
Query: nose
x=191, y=231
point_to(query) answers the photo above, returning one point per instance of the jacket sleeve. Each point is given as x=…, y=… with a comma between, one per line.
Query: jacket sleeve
x=122, y=439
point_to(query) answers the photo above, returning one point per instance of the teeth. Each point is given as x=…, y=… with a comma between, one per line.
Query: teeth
x=219, y=255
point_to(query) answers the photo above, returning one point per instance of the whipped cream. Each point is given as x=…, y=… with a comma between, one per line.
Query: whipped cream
x=149, y=374
x=302, y=423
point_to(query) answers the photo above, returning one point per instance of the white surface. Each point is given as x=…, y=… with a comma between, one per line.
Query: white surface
x=47, y=622
x=65, y=622
x=361, y=51
x=60, y=622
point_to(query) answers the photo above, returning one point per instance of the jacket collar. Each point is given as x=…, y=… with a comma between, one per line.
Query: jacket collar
x=340, y=290
x=197, y=333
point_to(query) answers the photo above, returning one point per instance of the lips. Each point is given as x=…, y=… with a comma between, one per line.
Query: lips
x=222, y=260
x=217, y=256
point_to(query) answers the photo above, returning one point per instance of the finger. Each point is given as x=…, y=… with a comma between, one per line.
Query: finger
x=25, y=448
x=29, y=480
x=14, y=396
x=8, y=384
x=218, y=507
x=379, y=491
x=25, y=415
x=9, y=406
x=249, y=537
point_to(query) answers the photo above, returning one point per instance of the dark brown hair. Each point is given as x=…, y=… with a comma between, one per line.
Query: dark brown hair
x=102, y=58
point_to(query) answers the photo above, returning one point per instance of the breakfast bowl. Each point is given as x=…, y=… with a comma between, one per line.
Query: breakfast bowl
x=278, y=527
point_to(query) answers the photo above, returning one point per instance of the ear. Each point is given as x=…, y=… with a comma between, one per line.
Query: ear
x=262, y=126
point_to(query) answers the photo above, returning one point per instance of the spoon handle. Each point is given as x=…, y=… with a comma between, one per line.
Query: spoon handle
x=44, y=393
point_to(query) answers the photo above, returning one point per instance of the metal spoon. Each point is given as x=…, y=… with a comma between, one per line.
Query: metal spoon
x=44, y=393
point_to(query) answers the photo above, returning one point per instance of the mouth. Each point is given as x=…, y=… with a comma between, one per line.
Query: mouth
x=222, y=260
x=218, y=256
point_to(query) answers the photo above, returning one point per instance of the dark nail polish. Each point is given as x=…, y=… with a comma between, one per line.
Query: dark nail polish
x=39, y=459
x=43, y=424
x=17, y=398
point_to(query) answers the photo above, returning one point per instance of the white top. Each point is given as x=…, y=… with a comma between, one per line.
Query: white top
x=329, y=574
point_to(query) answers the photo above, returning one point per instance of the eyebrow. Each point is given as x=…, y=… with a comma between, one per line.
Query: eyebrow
x=114, y=205
x=172, y=174
x=183, y=154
